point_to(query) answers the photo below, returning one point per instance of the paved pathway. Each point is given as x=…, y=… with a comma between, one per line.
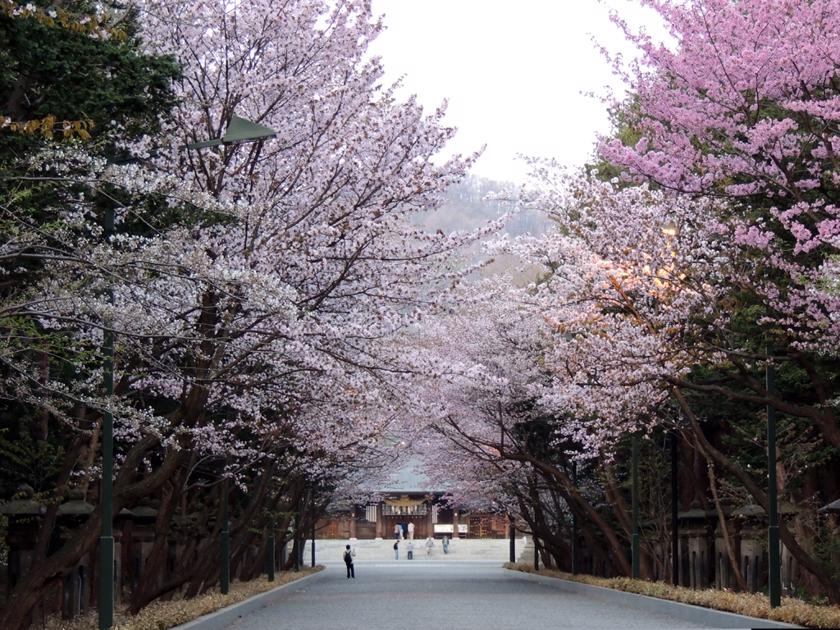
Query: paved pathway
x=493, y=550
x=423, y=595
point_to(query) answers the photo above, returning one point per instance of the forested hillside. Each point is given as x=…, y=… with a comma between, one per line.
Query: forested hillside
x=475, y=201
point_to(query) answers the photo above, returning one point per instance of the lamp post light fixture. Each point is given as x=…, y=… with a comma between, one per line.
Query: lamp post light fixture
x=106, y=492
x=675, y=539
x=312, y=559
x=670, y=229
x=512, y=534
x=271, y=550
x=774, y=583
x=239, y=131
x=298, y=539
x=830, y=508
x=634, y=548
x=574, y=526
x=224, y=545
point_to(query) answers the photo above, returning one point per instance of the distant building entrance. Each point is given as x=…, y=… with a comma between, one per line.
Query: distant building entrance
x=409, y=509
x=412, y=515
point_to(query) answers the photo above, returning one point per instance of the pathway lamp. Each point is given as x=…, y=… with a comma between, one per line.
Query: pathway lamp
x=574, y=526
x=271, y=550
x=224, y=543
x=312, y=563
x=831, y=508
x=675, y=499
x=512, y=534
x=299, y=538
x=774, y=583
x=239, y=131
x=671, y=231
x=634, y=557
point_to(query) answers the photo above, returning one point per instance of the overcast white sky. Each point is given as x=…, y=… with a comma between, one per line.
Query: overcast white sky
x=516, y=73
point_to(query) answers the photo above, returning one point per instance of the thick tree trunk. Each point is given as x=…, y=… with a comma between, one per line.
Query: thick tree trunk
x=156, y=560
x=734, y=564
x=572, y=496
x=250, y=518
x=806, y=561
x=617, y=501
x=30, y=587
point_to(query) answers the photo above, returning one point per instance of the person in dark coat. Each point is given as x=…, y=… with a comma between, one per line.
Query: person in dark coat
x=348, y=560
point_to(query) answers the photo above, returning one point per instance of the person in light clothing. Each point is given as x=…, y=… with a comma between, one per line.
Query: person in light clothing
x=429, y=545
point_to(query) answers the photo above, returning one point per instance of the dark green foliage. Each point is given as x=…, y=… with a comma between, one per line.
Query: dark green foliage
x=112, y=92
x=51, y=71
x=25, y=460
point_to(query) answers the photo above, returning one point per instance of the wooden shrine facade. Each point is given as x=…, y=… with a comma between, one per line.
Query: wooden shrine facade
x=414, y=515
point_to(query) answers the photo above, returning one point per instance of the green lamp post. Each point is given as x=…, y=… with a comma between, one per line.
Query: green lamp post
x=224, y=544
x=634, y=550
x=512, y=535
x=574, y=526
x=773, y=561
x=239, y=131
x=675, y=536
x=106, y=494
x=271, y=550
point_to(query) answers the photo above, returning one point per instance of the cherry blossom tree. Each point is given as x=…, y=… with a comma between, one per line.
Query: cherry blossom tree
x=745, y=109
x=742, y=108
x=254, y=314
x=647, y=317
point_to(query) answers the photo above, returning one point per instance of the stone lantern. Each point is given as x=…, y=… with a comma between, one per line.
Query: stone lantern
x=77, y=585
x=75, y=509
x=832, y=511
x=123, y=548
x=697, y=544
x=143, y=518
x=750, y=541
x=751, y=545
x=24, y=513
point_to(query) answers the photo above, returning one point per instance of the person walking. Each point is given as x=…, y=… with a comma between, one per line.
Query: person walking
x=410, y=550
x=397, y=550
x=348, y=561
x=429, y=545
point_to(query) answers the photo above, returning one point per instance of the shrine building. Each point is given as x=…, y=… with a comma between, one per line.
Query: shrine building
x=410, y=506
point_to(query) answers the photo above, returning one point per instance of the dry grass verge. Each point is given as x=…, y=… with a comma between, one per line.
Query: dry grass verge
x=161, y=615
x=792, y=610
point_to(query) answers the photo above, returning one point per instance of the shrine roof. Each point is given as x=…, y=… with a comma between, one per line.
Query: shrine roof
x=408, y=479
